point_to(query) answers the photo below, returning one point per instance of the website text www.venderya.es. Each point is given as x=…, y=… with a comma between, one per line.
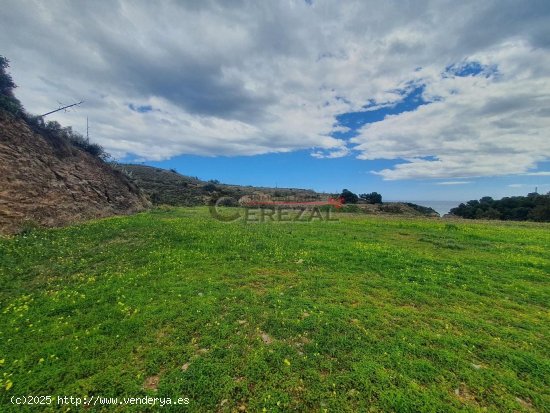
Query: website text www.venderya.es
x=99, y=401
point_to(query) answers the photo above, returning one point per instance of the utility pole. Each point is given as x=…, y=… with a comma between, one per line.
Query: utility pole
x=62, y=108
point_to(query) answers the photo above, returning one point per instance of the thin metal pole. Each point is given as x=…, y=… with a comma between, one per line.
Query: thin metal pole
x=64, y=107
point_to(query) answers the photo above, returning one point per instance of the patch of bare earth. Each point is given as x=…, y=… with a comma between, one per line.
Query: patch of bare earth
x=526, y=404
x=151, y=382
x=464, y=394
x=266, y=338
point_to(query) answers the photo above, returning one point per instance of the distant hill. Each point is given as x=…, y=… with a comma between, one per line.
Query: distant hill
x=171, y=188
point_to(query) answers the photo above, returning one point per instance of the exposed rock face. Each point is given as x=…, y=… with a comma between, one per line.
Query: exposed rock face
x=50, y=182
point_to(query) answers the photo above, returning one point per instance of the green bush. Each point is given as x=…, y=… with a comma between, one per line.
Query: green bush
x=8, y=101
x=349, y=197
x=84, y=143
x=56, y=132
x=372, y=198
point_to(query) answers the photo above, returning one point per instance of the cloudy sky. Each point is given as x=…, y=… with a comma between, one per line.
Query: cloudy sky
x=416, y=100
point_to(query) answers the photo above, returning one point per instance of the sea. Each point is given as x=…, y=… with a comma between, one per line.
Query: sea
x=442, y=207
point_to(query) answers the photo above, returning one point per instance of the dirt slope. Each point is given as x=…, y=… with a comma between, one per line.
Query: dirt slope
x=49, y=182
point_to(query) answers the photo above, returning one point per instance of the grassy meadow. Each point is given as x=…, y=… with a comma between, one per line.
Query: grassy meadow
x=363, y=314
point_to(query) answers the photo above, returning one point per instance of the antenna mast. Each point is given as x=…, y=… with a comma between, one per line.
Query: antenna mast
x=62, y=108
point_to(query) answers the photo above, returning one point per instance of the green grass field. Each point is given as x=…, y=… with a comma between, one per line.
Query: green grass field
x=363, y=314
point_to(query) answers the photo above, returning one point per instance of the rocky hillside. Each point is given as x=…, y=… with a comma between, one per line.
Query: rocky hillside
x=170, y=188
x=45, y=180
x=396, y=208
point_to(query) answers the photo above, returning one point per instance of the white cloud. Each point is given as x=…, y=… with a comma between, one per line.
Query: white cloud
x=541, y=173
x=453, y=183
x=259, y=77
x=475, y=125
x=337, y=153
x=541, y=188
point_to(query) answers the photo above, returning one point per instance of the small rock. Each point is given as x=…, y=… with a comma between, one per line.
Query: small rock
x=185, y=366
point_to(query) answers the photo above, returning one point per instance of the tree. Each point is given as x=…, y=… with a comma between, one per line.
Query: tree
x=349, y=197
x=372, y=198
x=540, y=213
x=7, y=100
x=533, y=207
x=492, y=213
x=6, y=82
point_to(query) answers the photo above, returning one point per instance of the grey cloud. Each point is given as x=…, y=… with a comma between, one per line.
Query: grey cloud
x=247, y=77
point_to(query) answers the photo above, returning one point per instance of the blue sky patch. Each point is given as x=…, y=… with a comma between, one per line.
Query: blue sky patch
x=140, y=109
x=356, y=120
x=465, y=69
